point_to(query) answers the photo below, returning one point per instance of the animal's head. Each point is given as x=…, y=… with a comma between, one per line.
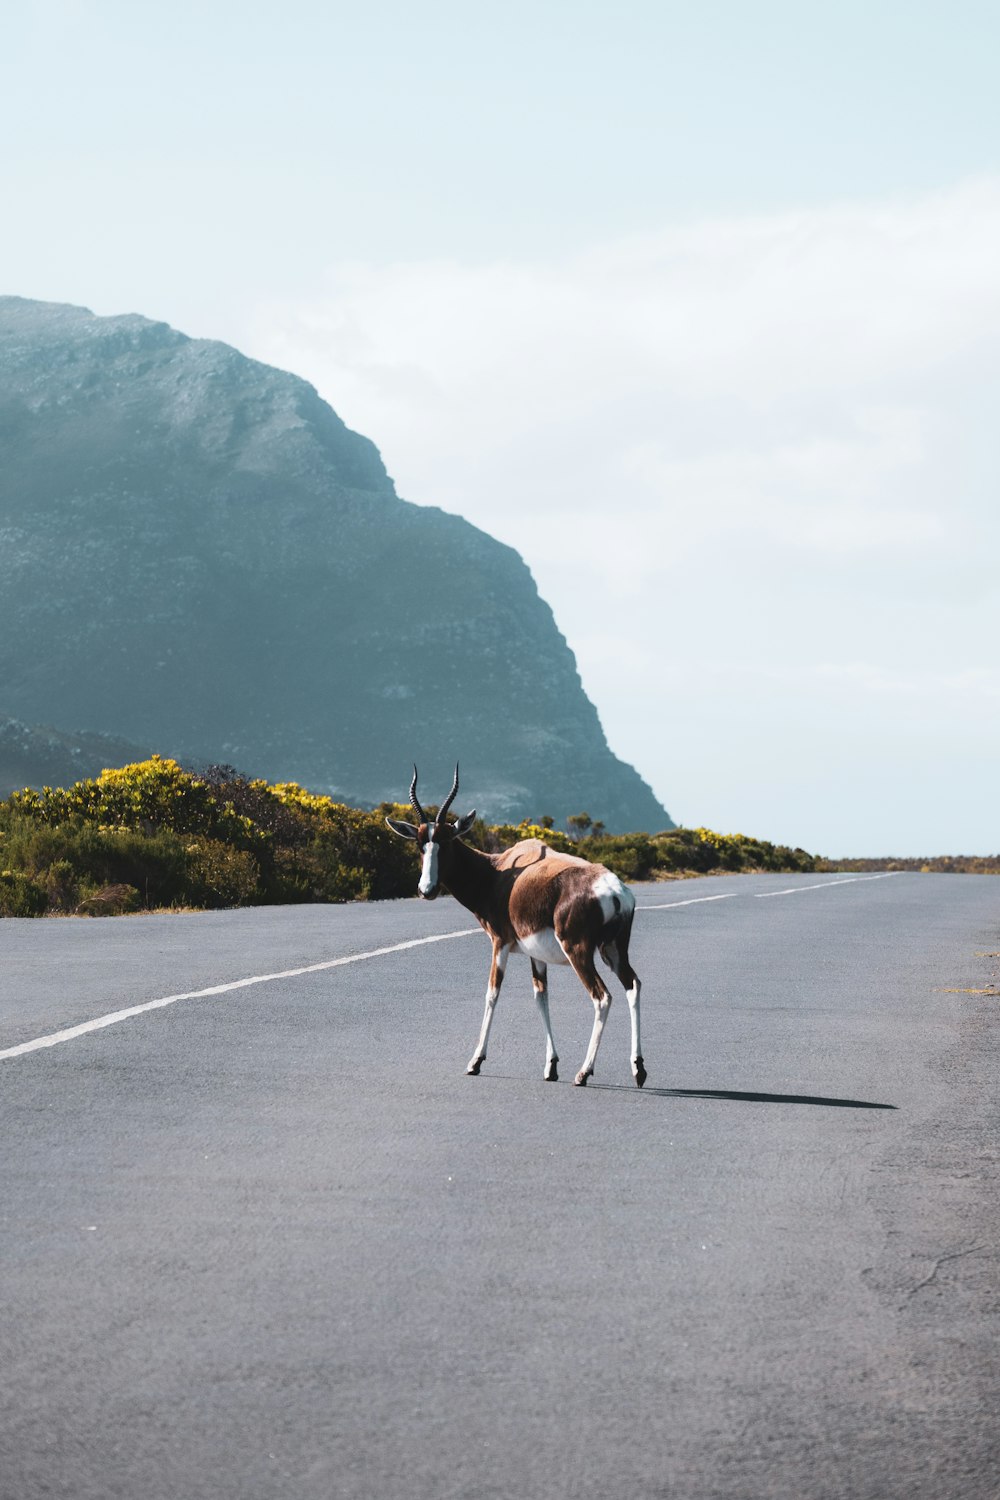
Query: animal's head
x=432, y=839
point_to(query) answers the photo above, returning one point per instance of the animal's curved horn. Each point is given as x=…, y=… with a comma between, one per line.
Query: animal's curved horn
x=421, y=815
x=448, y=800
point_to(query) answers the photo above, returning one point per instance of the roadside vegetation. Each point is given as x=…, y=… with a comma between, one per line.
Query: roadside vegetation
x=940, y=864
x=153, y=835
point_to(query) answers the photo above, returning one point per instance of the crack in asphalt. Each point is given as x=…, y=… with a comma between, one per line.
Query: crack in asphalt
x=939, y=1262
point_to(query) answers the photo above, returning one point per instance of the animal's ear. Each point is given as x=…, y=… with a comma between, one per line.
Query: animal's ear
x=405, y=830
x=465, y=823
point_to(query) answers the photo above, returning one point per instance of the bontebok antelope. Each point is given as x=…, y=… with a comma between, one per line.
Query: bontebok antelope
x=556, y=908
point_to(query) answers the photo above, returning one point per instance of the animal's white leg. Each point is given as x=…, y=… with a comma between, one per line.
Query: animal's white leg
x=632, y=995
x=616, y=956
x=497, y=968
x=582, y=959
x=602, y=1004
x=540, y=980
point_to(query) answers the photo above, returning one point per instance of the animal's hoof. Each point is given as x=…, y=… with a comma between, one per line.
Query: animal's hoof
x=552, y=1072
x=472, y=1071
x=639, y=1073
x=581, y=1079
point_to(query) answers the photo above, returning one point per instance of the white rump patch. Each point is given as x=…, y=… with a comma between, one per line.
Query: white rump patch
x=606, y=888
x=544, y=947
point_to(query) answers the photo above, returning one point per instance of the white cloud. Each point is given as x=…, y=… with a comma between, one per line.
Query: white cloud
x=753, y=443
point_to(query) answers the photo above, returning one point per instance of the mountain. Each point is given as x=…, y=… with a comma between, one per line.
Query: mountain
x=38, y=755
x=196, y=554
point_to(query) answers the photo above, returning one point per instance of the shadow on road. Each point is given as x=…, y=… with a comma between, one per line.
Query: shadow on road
x=746, y=1098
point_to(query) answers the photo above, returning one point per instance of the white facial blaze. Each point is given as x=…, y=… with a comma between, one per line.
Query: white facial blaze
x=429, y=872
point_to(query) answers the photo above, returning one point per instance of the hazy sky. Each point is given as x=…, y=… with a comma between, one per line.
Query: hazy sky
x=696, y=306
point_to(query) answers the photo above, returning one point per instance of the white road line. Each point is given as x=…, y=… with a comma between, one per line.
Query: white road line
x=694, y=901
x=793, y=890
x=113, y=1017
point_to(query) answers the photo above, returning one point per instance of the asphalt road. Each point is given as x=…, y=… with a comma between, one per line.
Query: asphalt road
x=271, y=1242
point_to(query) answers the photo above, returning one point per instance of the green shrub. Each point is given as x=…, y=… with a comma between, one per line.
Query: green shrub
x=219, y=875
x=20, y=896
x=62, y=886
x=632, y=856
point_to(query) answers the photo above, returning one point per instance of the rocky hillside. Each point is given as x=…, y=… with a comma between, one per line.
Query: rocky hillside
x=197, y=556
x=37, y=755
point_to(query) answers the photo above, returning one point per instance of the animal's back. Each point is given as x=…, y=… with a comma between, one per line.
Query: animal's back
x=532, y=853
x=545, y=880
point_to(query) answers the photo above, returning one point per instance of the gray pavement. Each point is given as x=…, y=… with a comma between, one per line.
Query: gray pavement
x=273, y=1242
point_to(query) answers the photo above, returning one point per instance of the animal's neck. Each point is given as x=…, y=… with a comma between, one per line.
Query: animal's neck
x=468, y=874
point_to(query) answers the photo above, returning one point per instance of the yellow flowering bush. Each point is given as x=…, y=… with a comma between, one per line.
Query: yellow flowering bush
x=153, y=835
